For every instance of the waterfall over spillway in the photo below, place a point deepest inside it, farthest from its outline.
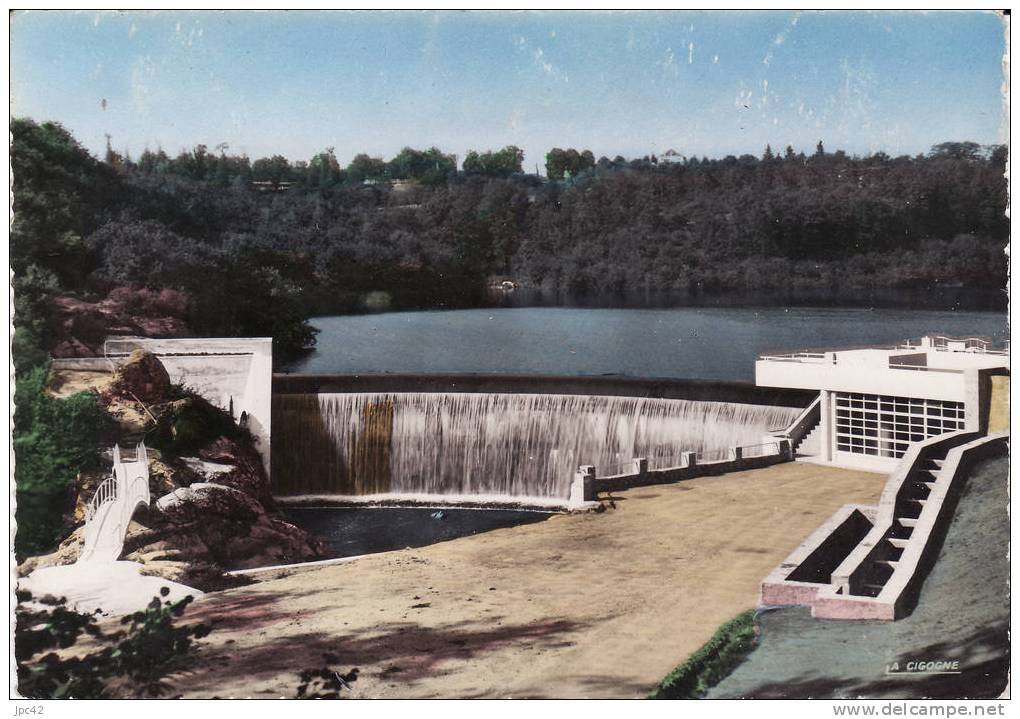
(524, 445)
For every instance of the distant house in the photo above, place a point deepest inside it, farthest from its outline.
(671, 156)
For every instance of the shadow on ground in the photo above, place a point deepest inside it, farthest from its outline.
(397, 652)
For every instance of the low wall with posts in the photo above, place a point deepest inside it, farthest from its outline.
(587, 484)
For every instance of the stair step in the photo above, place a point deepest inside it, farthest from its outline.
(918, 501)
(891, 562)
(906, 522)
(898, 543)
(873, 586)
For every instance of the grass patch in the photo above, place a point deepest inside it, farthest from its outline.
(733, 641)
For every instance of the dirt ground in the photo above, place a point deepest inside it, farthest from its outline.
(584, 605)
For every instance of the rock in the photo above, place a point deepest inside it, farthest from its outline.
(78, 328)
(164, 478)
(143, 376)
(72, 347)
(66, 553)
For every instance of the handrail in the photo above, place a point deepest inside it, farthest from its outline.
(939, 343)
(925, 368)
(802, 425)
(105, 492)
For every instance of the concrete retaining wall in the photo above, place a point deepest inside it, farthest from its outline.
(809, 567)
(586, 485)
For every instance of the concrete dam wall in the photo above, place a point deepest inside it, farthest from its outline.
(356, 436)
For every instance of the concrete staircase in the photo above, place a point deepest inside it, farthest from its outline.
(811, 444)
(803, 431)
(882, 563)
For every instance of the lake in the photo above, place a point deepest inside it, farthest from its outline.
(718, 343)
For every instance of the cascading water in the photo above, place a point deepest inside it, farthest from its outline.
(521, 445)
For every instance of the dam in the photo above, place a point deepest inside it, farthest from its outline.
(511, 438)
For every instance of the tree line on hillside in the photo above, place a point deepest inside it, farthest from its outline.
(322, 171)
(261, 263)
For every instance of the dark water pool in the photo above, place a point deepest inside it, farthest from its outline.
(350, 531)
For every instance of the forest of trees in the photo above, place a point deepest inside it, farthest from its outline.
(262, 245)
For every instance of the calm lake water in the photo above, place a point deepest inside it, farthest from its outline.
(686, 342)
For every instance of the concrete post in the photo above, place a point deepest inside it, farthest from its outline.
(640, 466)
(582, 489)
(577, 490)
(690, 459)
(825, 425)
(786, 449)
(972, 404)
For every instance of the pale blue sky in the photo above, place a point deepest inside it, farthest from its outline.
(705, 83)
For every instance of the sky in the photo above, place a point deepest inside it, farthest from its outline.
(618, 83)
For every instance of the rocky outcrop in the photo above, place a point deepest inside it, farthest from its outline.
(142, 377)
(193, 534)
(78, 328)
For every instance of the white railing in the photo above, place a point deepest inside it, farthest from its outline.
(809, 357)
(765, 449)
(106, 492)
(924, 368)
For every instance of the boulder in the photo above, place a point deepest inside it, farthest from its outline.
(143, 377)
(66, 553)
(78, 328)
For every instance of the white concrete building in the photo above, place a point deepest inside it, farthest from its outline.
(874, 402)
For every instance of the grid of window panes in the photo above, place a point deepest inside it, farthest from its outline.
(885, 426)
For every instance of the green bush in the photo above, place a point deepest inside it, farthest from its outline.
(147, 650)
(733, 641)
(54, 439)
(186, 425)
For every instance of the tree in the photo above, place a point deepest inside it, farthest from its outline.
(956, 150)
(768, 156)
(275, 170)
(54, 439)
(560, 164)
(324, 170)
(364, 168)
(503, 163)
(430, 166)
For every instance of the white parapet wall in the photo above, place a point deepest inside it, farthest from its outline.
(233, 373)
